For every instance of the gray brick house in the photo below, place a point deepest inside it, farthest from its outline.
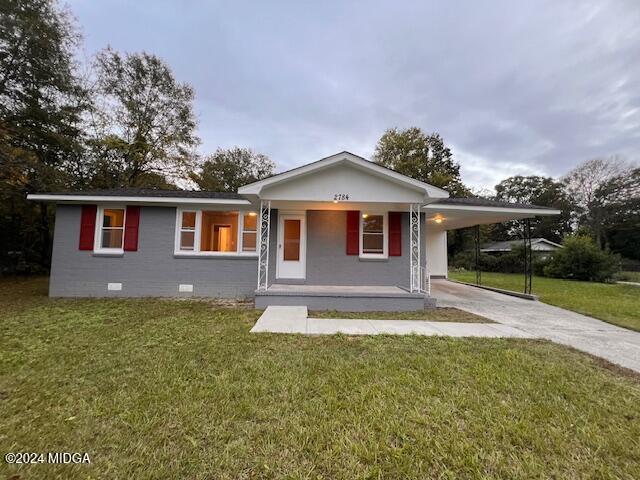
(340, 233)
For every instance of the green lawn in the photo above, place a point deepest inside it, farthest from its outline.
(181, 389)
(613, 303)
(439, 314)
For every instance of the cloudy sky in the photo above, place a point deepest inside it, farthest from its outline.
(529, 87)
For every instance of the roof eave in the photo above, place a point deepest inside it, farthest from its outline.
(479, 208)
(70, 198)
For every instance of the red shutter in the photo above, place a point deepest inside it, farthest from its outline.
(395, 234)
(87, 226)
(132, 220)
(353, 232)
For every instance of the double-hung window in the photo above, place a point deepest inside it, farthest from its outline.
(373, 235)
(213, 232)
(110, 231)
(188, 231)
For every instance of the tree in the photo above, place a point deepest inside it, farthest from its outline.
(143, 123)
(41, 103)
(535, 190)
(423, 157)
(227, 170)
(616, 209)
(583, 183)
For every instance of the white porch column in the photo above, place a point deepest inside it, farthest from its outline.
(263, 246)
(415, 283)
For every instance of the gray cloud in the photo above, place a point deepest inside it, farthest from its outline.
(514, 87)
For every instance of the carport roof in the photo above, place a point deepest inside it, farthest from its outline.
(453, 213)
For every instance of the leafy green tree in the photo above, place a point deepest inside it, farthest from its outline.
(423, 157)
(227, 170)
(143, 123)
(581, 259)
(41, 104)
(535, 190)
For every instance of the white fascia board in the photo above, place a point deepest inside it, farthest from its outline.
(477, 208)
(256, 187)
(147, 200)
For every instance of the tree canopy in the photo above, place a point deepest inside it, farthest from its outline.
(144, 121)
(423, 157)
(228, 170)
(541, 191)
(41, 103)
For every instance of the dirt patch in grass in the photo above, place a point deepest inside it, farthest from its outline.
(439, 314)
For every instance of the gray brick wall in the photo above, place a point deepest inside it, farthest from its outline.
(327, 261)
(151, 271)
(154, 270)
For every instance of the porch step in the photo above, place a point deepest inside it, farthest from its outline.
(343, 298)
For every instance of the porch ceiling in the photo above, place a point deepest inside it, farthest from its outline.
(452, 217)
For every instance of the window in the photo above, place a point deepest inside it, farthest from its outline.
(291, 240)
(373, 229)
(188, 231)
(249, 232)
(110, 232)
(219, 232)
(208, 232)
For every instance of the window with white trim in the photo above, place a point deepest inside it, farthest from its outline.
(215, 232)
(110, 229)
(188, 231)
(373, 235)
(249, 231)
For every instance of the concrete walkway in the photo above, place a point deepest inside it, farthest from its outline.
(277, 319)
(616, 344)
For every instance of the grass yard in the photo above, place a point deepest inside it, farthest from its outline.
(180, 389)
(445, 314)
(613, 303)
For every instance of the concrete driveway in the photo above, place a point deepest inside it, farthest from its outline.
(618, 345)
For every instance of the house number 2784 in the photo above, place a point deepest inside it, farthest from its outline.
(341, 196)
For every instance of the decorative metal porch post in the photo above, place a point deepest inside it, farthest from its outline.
(263, 252)
(476, 244)
(528, 256)
(415, 283)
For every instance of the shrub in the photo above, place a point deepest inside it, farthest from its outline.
(581, 259)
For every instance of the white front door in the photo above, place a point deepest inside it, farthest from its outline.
(292, 246)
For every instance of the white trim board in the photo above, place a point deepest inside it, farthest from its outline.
(47, 197)
(478, 208)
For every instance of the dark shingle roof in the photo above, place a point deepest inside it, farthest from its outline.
(484, 202)
(153, 192)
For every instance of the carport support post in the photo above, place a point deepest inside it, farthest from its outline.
(415, 279)
(476, 241)
(528, 257)
(263, 252)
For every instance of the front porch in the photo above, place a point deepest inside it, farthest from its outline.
(348, 298)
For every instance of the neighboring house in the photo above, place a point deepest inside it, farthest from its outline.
(541, 247)
(341, 233)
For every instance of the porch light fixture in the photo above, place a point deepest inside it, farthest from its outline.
(365, 215)
(252, 214)
(438, 219)
(335, 201)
